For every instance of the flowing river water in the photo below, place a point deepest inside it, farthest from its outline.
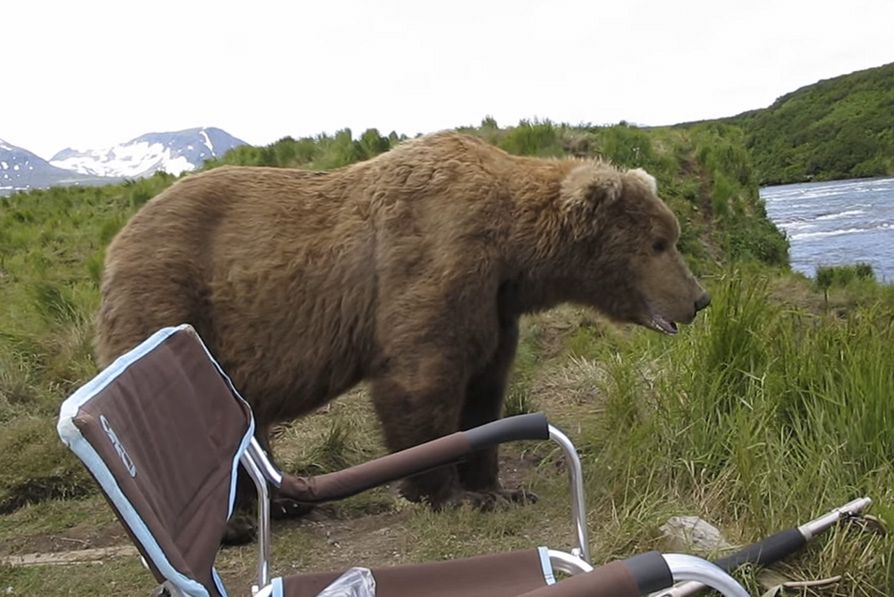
(836, 223)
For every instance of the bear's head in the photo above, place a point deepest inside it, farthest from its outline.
(622, 255)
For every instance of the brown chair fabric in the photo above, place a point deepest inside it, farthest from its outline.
(168, 427)
(353, 480)
(610, 580)
(500, 575)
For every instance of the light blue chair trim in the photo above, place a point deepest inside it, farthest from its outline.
(546, 566)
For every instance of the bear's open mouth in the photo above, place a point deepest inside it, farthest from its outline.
(663, 324)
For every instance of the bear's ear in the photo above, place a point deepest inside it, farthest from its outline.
(645, 178)
(589, 187)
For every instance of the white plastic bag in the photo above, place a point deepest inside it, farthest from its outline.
(356, 582)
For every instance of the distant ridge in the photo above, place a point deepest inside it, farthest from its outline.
(22, 170)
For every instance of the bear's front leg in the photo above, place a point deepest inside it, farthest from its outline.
(423, 396)
(417, 403)
(483, 404)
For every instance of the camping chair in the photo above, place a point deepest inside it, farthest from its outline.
(163, 432)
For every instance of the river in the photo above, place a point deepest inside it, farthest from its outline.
(836, 223)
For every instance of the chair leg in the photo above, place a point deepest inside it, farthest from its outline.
(263, 518)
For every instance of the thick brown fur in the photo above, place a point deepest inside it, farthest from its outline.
(409, 270)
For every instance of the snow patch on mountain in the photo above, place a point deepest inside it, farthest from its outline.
(174, 152)
(206, 141)
(131, 160)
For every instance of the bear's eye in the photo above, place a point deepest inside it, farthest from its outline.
(659, 246)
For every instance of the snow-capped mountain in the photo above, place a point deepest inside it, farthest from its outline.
(21, 170)
(174, 152)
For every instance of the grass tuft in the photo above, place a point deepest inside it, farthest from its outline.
(36, 466)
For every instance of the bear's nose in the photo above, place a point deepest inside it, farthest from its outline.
(702, 302)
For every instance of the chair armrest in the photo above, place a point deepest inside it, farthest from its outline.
(439, 452)
(643, 574)
(633, 577)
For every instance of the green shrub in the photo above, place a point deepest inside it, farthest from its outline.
(627, 146)
(533, 138)
(758, 240)
(842, 275)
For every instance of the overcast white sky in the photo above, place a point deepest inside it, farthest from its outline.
(88, 73)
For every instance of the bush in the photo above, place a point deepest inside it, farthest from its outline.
(842, 275)
(533, 138)
(758, 240)
(627, 146)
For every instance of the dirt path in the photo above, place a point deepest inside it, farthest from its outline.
(79, 556)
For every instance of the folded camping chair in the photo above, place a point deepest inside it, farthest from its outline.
(163, 431)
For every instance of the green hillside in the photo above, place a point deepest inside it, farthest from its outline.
(834, 129)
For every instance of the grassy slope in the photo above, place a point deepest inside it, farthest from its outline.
(765, 412)
(834, 129)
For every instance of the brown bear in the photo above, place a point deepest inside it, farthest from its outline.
(409, 270)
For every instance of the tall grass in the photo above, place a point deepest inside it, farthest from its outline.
(760, 416)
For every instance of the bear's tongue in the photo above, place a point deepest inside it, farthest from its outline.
(664, 325)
